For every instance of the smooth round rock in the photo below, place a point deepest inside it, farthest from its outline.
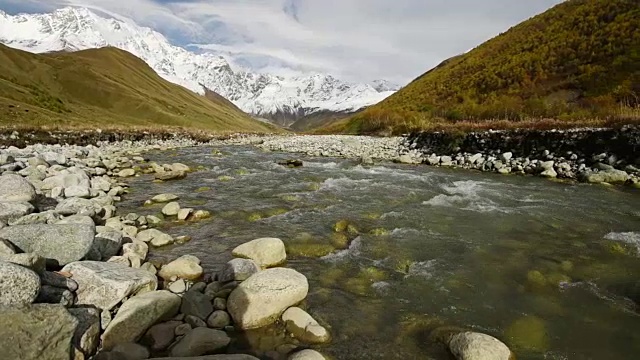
(307, 354)
(16, 188)
(171, 209)
(261, 299)
(184, 267)
(477, 346)
(266, 252)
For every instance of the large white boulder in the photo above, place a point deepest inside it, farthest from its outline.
(105, 284)
(16, 188)
(138, 314)
(63, 243)
(263, 297)
(185, 267)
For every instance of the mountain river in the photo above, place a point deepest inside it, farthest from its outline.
(552, 269)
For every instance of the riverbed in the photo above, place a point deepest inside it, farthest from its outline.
(550, 268)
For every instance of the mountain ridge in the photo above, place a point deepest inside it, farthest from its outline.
(264, 95)
(576, 63)
(105, 88)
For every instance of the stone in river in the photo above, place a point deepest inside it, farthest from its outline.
(262, 298)
(266, 252)
(478, 346)
(171, 209)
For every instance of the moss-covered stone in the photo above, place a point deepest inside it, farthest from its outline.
(312, 250)
(242, 171)
(616, 248)
(341, 225)
(379, 232)
(374, 274)
(340, 240)
(536, 280)
(290, 198)
(254, 216)
(225, 178)
(331, 276)
(203, 189)
(557, 278)
(275, 212)
(528, 333)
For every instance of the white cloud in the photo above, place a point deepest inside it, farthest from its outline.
(356, 39)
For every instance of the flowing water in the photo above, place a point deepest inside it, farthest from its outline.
(552, 269)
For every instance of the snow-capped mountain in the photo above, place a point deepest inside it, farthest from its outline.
(71, 29)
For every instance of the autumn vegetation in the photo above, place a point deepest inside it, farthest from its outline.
(577, 64)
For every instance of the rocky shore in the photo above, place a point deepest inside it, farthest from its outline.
(76, 283)
(609, 156)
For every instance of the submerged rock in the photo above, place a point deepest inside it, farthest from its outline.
(262, 298)
(304, 327)
(292, 163)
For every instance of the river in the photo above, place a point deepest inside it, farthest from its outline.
(550, 268)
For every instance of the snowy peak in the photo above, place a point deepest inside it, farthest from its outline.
(72, 29)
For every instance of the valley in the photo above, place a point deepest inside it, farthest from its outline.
(162, 198)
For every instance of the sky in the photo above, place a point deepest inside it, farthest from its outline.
(357, 40)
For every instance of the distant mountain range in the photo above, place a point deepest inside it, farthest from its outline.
(284, 99)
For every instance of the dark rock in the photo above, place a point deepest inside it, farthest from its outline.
(196, 304)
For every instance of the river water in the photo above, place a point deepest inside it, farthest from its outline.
(552, 269)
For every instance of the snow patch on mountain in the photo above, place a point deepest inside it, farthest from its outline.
(72, 29)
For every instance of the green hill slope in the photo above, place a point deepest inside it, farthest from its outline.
(577, 62)
(108, 89)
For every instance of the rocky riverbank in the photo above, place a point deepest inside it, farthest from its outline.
(75, 282)
(610, 156)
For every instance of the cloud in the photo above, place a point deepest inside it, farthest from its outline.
(359, 40)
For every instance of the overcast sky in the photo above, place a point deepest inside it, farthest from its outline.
(359, 40)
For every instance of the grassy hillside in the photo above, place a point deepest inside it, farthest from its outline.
(105, 88)
(577, 63)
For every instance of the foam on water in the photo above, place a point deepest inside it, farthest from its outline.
(322, 165)
(342, 183)
(381, 287)
(632, 238)
(467, 195)
(422, 269)
(381, 170)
